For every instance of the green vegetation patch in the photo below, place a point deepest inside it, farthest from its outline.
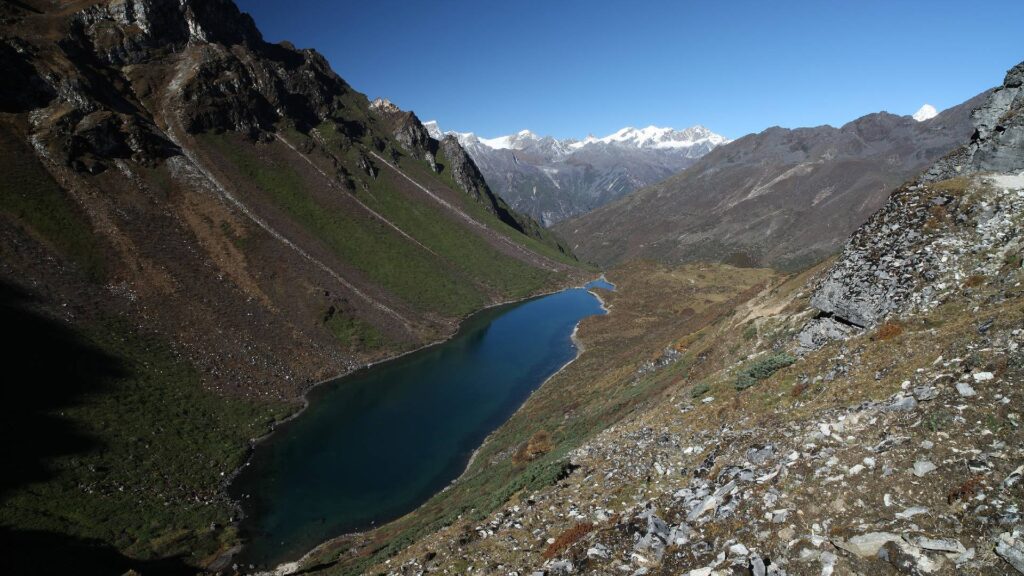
(353, 332)
(762, 368)
(143, 450)
(32, 197)
(388, 259)
(546, 243)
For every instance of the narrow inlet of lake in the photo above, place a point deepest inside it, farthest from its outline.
(380, 442)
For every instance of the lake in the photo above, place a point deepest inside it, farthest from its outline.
(376, 444)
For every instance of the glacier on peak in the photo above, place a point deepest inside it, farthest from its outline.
(651, 137)
(926, 112)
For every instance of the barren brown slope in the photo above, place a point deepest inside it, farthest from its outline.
(781, 198)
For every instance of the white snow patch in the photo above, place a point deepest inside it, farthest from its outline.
(926, 112)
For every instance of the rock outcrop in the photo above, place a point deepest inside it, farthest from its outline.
(930, 235)
(416, 139)
(997, 144)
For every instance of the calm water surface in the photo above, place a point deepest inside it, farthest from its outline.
(378, 443)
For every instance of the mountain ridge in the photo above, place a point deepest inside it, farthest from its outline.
(782, 197)
(552, 179)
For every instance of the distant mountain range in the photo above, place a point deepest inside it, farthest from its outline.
(782, 198)
(551, 179)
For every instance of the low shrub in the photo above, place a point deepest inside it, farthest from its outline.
(762, 368)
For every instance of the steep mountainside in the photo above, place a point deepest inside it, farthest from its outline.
(782, 198)
(214, 223)
(893, 448)
(552, 180)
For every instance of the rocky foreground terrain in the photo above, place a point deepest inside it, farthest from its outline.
(865, 418)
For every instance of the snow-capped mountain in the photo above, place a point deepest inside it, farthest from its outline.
(926, 112)
(657, 138)
(552, 179)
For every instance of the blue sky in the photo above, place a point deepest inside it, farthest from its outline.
(569, 68)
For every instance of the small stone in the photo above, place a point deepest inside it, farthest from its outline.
(925, 393)
(828, 563)
(965, 389)
(738, 550)
(903, 404)
(757, 566)
(1012, 550)
(866, 545)
(854, 470)
(911, 512)
(982, 376)
(940, 545)
(922, 467)
(927, 444)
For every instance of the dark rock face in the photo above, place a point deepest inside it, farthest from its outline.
(23, 88)
(136, 31)
(998, 141)
(412, 135)
(407, 130)
(466, 174)
(781, 198)
(221, 96)
(227, 77)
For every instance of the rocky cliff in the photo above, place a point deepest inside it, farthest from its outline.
(951, 224)
(408, 130)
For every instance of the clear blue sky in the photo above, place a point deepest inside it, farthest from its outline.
(568, 68)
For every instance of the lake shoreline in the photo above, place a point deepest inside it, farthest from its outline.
(580, 349)
(290, 566)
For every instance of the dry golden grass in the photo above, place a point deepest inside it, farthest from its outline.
(538, 444)
(974, 281)
(568, 538)
(889, 330)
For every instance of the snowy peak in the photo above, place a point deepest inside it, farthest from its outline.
(517, 141)
(657, 138)
(651, 137)
(926, 112)
(433, 129)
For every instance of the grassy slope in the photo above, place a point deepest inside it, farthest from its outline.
(547, 245)
(464, 275)
(150, 481)
(29, 195)
(385, 257)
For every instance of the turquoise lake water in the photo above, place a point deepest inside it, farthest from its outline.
(378, 443)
